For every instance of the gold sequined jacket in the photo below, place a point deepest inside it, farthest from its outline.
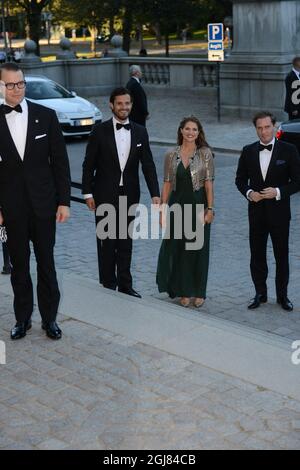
(201, 166)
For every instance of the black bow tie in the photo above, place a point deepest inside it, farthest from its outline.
(126, 126)
(265, 147)
(8, 109)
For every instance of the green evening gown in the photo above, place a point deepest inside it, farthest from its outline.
(181, 272)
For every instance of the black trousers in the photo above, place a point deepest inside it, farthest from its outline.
(259, 233)
(114, 256)
(41, 231)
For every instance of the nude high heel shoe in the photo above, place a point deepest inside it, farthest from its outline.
(199, 302)
(184, 301)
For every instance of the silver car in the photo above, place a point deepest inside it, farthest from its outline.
(76, 115)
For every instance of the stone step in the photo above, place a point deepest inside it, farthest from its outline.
(239, 351)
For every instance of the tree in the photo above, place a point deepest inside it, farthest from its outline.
(212, 11)
(91, 13)
(167, 18)
(33, 10)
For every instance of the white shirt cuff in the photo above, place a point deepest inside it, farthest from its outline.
(248, 192)
(87, 196)
(278, 197)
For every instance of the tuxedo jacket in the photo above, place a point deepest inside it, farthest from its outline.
(101, 168)
(43, 177)
(289, 106)
(139, 110)
(283, 173)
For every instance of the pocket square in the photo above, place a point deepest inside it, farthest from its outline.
(0, 159)
(40, 136)
(280, 162)
(138, 145)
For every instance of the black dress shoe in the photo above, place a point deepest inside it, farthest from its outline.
(258, 299)
(130, 291)
(20, 329)
(52, 330)
(285, 303)
(6, 270)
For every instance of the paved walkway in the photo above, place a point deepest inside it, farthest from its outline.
(166, 113)
(109, 385)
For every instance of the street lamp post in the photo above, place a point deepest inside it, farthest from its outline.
(3, 27)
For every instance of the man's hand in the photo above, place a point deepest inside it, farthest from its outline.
(156, 201)
(255, 196)
(268, 193)
(1, 219)
(62, 214)
(295, 113)
(90, 202)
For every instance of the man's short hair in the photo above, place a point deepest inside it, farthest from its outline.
(263, 115)
(119, 92)
(10, 67)
(296, 60)
(133, 69)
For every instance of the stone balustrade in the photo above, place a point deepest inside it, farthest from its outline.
(99, 76)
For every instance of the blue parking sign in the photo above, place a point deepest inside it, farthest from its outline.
(215, 32)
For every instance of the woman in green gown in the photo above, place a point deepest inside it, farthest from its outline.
(188, 180)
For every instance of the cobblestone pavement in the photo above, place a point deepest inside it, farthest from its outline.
(98, 390)
(229, 285)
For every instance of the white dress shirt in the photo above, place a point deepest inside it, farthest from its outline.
(123, 144)
(18, 124)
(264, 160)
(297, 73)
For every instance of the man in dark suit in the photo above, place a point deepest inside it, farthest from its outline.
(34, 194)
(292, 98)
(268, 174)
(139, 111)
(111, 170)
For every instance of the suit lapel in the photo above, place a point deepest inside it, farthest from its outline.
(112, 142)
(273, 160)
(257, 162)
(32, 121)
(133, 142)
(10, 140)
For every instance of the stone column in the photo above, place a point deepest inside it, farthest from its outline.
(266, 37)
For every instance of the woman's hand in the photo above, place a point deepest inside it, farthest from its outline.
(208, 216)
(162, 215)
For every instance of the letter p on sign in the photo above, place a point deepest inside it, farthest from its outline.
(215, 32)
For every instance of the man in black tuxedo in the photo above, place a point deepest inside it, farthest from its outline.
(34, 194)
(111, 170)
(139, 111)
(292, 95)
(268, 174)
